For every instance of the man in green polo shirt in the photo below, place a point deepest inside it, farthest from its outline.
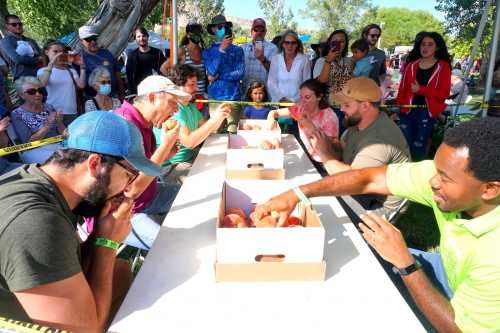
(462, 185)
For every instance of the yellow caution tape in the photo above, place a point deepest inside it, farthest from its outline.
(16, 326)
(30, 145)
(210, 101)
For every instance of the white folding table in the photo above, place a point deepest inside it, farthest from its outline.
(175, 290)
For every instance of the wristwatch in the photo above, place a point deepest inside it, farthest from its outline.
(408, 269)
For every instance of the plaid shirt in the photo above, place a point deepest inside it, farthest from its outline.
(254, 70)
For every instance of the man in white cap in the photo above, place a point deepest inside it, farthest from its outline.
(258, 54)
(95, 56)
(156, 101)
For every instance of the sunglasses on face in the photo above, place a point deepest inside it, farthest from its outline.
(34, 91)
(220, 26)
(132, 173)
(90, 39)
(374, 35)
(290, 42)
(104, 82)
(16, 24)
(259, 29)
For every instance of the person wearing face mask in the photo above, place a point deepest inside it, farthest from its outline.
(143, 61)
(100, 80)
(225, 68)
(47, 275)
(190, 53)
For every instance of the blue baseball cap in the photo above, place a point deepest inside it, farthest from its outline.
(107, 133)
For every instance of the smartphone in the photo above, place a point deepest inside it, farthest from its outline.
(228, 32)
(335, 45)
(258, 45)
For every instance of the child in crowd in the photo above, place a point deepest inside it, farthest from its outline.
(256, 93)
(363, 63)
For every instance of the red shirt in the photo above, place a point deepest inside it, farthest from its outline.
(130, 113)
(436, 92)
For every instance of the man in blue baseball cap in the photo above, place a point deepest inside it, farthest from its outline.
(46, 276)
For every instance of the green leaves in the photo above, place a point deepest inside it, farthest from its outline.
(278, 18)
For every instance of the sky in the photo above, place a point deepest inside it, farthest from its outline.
(249, 9)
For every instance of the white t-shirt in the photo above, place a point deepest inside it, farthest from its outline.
(318, 67)
(61, 90)
(282, 83)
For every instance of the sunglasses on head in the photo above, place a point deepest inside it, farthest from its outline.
(16, 24)
(374, 35)
(90, 39)
(34, 91)
(290, 42)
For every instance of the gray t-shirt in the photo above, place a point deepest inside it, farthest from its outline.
(38, 240)
(378, 64)
(379, 144)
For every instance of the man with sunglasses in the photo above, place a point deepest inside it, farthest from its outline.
(22, 53)
(258, 54)
(371, 33)
(46, 275)
(94, 56)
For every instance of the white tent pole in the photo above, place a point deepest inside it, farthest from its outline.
(175, 44)
(479, 33)
(493, 55)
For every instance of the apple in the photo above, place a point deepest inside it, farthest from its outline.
(265, 144)
(170, 124)
(238, 211)
(247, 127)
(267, 222)
(232, 221)
(293, 221)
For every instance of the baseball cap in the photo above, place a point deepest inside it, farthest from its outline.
(360, 89)
(87, 31)
(258, 22)
(158, 83)
(107, 133)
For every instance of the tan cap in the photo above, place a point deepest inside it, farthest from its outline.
(360, 89)
(158, 83)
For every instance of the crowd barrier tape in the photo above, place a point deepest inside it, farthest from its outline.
(30, 145)
(288, 104)
(16, 326)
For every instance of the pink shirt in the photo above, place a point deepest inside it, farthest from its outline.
(326, 122)
(130, 113)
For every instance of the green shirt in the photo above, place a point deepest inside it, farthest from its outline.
(188, 116)
(469, 249)
(38, 240)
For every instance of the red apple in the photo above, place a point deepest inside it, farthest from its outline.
(238, 211)
(232, 221)
(293, 220)
(170, 124)
(265, 144)
(247, 127)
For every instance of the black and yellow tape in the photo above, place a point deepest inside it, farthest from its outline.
(30, 145)
(16, 326)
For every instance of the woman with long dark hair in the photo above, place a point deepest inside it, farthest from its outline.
(425, 85)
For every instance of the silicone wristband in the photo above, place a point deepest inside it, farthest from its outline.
(298, 192)
(104, 242)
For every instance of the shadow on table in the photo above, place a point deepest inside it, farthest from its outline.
(195, 202)
(294, 165)
(339, 248)
(178, 265)
(208, 164)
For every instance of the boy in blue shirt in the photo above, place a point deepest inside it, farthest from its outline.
(363, 63)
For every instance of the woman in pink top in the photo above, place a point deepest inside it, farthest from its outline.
(312, 114)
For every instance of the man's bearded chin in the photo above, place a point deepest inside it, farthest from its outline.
(94, 201)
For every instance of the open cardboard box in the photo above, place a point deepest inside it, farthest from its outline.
(264, 126)
(267, 254)
(253, 163)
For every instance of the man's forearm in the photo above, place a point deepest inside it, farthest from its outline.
(334, 166)
(436, 308)
(362, 181)
(100, 278)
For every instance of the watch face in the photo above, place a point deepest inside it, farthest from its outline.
(408, 269)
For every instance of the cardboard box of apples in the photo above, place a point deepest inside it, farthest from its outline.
(258, 250)
(255, 155)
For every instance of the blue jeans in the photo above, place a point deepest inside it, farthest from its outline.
(144, 228)
(433, 268)
(417, 127)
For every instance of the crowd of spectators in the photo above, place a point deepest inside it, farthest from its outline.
(116, 129)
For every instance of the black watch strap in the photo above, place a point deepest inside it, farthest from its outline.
(408, 269)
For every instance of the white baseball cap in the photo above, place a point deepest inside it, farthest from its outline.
(87, 31)
(158, 83)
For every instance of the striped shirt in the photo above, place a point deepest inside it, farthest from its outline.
(201, 71)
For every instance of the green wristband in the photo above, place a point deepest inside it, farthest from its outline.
(104, 242)
(298, 192)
